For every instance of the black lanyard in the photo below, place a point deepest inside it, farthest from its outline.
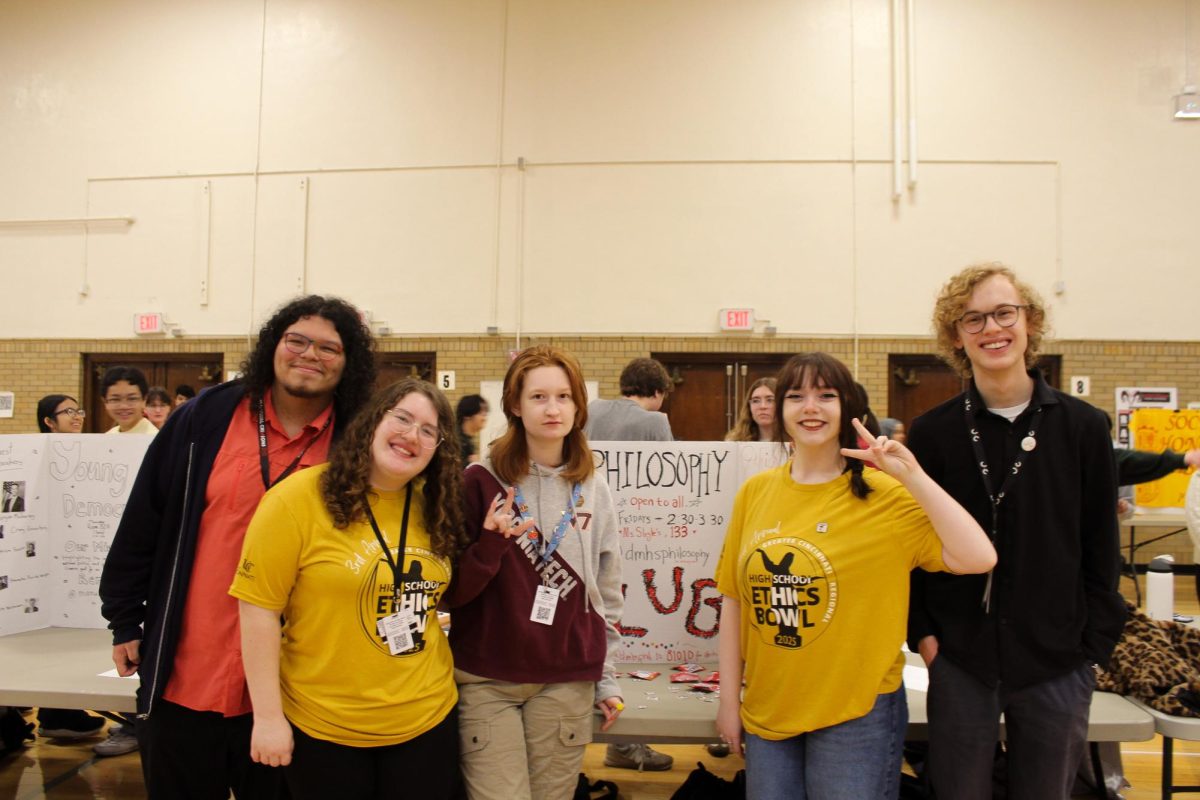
(1028, 445)
(387, 552)
(263, 463)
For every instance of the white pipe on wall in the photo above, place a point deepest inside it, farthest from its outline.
(910, 36)
(897, 86)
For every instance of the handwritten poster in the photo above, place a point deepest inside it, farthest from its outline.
(673, 501)
(1158, 429)
(73, 490)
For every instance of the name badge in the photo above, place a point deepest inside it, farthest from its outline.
(396, 629)
(544, 604)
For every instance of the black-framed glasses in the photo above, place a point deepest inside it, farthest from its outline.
(298, 343)
(73, 413)
(1006, 315)
(403, 423)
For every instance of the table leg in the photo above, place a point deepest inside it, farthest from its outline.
(1168, 763)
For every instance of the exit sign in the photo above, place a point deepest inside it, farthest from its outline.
(737, 319)
(148, 323)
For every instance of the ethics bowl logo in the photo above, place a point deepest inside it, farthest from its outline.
(793, 591)
(423, 579)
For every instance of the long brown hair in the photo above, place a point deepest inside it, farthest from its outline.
(510, 453)
(746, 429)
(346, 485)
(823, 370)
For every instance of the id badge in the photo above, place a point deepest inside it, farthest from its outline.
(544, 604)
(396, 629)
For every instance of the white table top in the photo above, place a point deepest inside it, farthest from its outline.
(1156, 518)
(60, 668)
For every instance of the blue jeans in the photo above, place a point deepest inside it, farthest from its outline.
(854, 760)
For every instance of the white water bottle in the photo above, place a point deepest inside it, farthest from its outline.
(1160, 588)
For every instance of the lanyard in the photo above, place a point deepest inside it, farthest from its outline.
(1028, 444)
(547, 548)
(387, 552)
(262, 448)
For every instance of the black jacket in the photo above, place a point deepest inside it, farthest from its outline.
(147, 572)
(1055, 603)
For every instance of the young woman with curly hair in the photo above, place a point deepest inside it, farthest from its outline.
(537, 595)
(354, 692)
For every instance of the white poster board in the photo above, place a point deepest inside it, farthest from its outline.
(1127, 399)
(673, 501)
(74, 488)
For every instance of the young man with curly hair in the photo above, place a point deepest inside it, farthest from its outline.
(1035, 468)
(165, 581)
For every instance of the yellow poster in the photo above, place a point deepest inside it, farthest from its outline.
(1158, 429)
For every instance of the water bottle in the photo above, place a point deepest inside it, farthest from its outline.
(1160, 588)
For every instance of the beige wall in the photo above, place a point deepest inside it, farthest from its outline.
(34, 368)
(680, 156)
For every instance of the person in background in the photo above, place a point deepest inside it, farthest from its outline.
(124, 391)
(756, 420)
(158, 405)
(537, 596)
(354, 692)
(183, 393)
(814, 579)
(1035, 467)
(893, 429)
(472, 415)
(165, 585)
(635, 416)
(60, 413)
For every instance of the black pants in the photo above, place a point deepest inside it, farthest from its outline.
(1046, 725)
(201, 755)
(425, 767)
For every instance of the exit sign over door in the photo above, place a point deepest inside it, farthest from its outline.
(737, 319)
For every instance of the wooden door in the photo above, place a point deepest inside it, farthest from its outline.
(199, 370)
(391, 367)
(917, 383)
(710, 388)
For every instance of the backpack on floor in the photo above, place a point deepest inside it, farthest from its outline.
(14, 730)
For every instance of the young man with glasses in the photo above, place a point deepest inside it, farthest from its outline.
(124, 392)
(1035, 468)
(165, 583)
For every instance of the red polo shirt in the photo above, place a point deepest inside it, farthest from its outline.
(208, 673)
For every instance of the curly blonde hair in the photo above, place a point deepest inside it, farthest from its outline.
(952, 303)
(346, 485)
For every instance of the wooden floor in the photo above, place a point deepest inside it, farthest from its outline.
(72, 772)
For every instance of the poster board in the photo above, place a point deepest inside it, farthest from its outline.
(1158, 429)
(1127, 399)
(673, 501)
(73, 489)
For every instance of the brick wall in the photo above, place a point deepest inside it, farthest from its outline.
(32, 368)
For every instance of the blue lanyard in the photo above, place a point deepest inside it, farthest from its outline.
(547, 548)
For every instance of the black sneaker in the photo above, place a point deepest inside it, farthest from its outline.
(68, 724)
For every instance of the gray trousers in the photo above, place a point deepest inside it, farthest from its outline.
(1046, 733)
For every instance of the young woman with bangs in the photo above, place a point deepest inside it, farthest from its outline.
(354, 695)
(756, 421)
(814, 583)
(537, 595)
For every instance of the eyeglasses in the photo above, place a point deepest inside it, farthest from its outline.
(73, 413)
(127, 400)
(298, 343)
(403, 423)
(157, 406)
(1006, 316)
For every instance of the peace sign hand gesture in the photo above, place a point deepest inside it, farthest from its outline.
(500, 517)
(889, 455)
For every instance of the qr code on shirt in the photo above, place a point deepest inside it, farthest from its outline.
(542, 614)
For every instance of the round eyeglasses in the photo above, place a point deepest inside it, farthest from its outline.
(403, 424)
(298, 343)
(1006, 315)
(73, 413)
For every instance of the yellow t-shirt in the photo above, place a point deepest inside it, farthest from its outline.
(338, 680)
(822, 578)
